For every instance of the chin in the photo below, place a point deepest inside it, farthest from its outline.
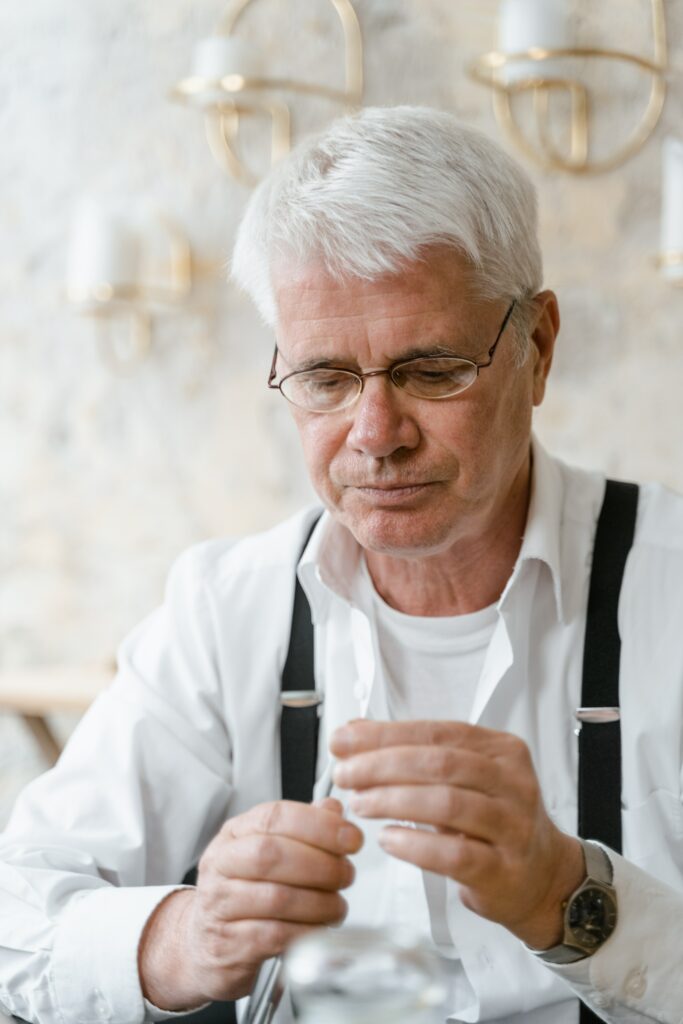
(401, 534)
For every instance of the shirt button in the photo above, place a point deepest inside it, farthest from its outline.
(360, 689)
(636, 983)
(102, 1007)
(485, 959)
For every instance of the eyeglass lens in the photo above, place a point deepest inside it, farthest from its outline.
(325, 390)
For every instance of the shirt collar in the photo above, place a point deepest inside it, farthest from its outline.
(329, 564)
(541, 541)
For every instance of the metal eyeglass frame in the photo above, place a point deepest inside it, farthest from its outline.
(390, 371)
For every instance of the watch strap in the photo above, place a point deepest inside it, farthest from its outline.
(598, 865)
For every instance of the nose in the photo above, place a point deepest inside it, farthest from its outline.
(381, 420)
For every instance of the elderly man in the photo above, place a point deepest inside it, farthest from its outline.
(448, 580)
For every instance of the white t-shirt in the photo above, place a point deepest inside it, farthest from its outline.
(432, 663)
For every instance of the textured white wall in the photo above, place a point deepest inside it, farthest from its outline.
(104, 477)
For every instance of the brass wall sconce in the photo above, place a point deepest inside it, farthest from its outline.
(670, 258)
(125, 274)
(537, 57)
(229, 82)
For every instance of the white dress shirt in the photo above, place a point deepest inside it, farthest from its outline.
(187, 735)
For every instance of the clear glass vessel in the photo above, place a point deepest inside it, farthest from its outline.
(365, 976)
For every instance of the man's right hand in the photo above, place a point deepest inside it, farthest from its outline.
(269, 875)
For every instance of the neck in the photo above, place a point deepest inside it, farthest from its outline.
(468, 576)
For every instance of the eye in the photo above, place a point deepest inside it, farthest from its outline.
(323, 381)
(435, 377)
(321, 390)
(429, 374)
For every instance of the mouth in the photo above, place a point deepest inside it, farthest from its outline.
(392, 493)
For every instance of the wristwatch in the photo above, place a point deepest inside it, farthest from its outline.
(590, 913)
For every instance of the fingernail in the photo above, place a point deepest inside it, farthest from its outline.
(386, 839)
(330, 803)
(341, 775)
(359, 803)
(347, 837)
(342, 740)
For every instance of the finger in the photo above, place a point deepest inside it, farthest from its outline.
(330, 803)
(240, 900)
(461, 810)
(320, 827)
(249, 941)
(436, 764)
(466, 860)
(364, 734)
(270, 858)
(271, 901)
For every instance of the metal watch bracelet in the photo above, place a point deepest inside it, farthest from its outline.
(598, 885)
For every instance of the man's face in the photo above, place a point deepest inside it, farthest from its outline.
(408, 476)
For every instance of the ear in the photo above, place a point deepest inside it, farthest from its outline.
(543, 337)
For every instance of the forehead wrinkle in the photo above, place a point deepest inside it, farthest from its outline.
(336, 352)
(409, 329)
(301, 296)
(368, 316)
(415, 352)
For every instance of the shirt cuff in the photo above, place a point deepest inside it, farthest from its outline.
(638, 969)
(153, 1013)
(95, 957)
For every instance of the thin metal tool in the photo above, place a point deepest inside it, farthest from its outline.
(266, 994)
(268, 988)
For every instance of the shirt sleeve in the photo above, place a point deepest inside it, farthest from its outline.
(637, 975)
(96, 843)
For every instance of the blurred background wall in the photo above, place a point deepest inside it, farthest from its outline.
(105, 476)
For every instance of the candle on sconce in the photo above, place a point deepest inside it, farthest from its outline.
(218, 57)
(672, 209)
(103, 256)
(533, 24)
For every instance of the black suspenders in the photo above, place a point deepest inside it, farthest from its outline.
(599, 795)
(299, 725)
(600, 743)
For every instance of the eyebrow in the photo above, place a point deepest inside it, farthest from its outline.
(412, 353)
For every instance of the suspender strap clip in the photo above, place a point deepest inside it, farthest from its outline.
(597, 716)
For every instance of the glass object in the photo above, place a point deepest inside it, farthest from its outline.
(365, 976)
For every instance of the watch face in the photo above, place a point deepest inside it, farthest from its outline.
(592, 916)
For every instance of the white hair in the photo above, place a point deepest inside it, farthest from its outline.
(379, 187)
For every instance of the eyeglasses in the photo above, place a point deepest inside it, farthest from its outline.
(331, 389)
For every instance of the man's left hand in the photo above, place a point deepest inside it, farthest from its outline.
(478, 791)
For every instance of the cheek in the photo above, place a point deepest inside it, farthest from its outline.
(467, 429)
(488, 432)
(509, 424)
(320, 442)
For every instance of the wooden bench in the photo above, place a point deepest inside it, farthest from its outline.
(36, 693)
